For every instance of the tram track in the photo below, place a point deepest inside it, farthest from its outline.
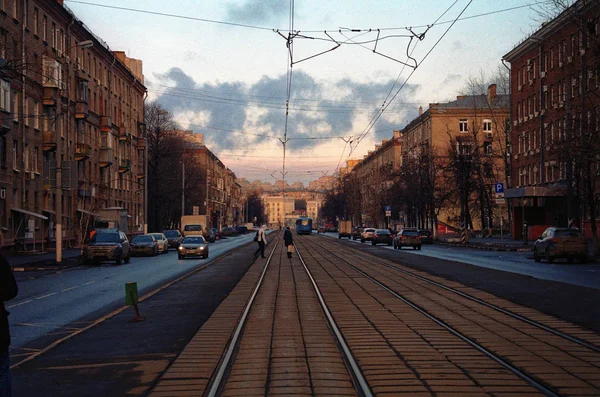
(216, 385)
(541, 385)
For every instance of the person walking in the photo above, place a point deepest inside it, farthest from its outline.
(261, 239)
(288, 240)
(8, 290)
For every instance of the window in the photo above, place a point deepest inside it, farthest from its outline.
(45, 28)
(463, 125)
(487, 148)
(26, 157)
(53, 35)
(26, 114)
(487, 126)
(5, 96)
(552, 58)
(2, 151)
(36, 154)
(519, 77)
(36, 17)
(36, 115)
(15, 106)
(15, 151)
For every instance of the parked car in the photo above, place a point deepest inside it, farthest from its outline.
(241, 229)
(321, 229)
(407, 238)
(367, 235)
(357, 232)
(229, 232)
(193, 246)
(163, 242)
(561, 242)
(108, 245)
(210, 235)
(174, 237)
(382, 236)
(426, 237)
(217, 233)
(144, 244)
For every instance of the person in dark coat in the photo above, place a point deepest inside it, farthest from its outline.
(8, 290)
(288, 239)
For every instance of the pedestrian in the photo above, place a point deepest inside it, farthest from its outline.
(288, 241)
(261, 239)
(8, 290)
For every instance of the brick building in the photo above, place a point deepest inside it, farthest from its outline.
(72, 137)
(555, 86)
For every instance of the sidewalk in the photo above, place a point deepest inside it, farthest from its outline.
(27, 262)
(490, 244)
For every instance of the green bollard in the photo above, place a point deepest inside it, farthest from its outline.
(131, 299)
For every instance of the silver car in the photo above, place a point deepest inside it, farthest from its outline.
(367, 235)
(193, 246)
(163, 242)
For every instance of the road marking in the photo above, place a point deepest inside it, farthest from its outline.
(18, 304)
(68, 289)
(88, 283)
(45, 296)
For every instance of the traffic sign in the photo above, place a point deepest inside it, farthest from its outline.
(499, 187)
(388, 210)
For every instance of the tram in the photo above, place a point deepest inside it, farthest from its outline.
(304, 225)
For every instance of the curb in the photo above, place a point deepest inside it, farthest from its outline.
(48, 265)
(503, 248)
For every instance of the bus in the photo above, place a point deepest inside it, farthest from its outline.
(304, 225)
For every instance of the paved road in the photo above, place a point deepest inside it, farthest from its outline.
(514, 262)
(49, 301)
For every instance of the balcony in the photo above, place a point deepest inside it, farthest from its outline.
(124, 135)
(50, 97)
(124, 165)
(49, 141)
(105, 124)
(81, 110)
(83, 151)
(81, 75)
(107, 156)
(141, 144)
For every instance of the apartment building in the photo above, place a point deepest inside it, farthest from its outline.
(278, 209)
(457, 149)
(369, 181)
(555, 86)
(217, 193)
(72, 136)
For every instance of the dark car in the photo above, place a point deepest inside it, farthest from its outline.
(241, 229)
(210, 236)
(144, 244)
(407, 238)
(357, 232)
(426, 237)
(174, 237)
(107, 245)
(381, 236)
(561, 242)
(229, 232)
(193, 246)
(217, 233)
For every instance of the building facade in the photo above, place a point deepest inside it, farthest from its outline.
(369, 181)
(452, 154)
(72, 137)
(555, 83)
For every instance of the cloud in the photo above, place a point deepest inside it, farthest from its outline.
(255, 11)
(239, 118)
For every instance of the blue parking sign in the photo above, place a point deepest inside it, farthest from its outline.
(499, 187)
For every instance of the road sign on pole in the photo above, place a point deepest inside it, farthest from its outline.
(388, 210)
(499, 187)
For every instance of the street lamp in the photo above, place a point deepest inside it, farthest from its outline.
(58, 190)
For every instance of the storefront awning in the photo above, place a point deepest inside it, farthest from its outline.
(86, 212)
(535, 191)
(22, 211)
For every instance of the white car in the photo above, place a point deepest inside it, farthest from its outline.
(163, 242)
(367, 235)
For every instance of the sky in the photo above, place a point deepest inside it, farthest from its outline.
(361, 69)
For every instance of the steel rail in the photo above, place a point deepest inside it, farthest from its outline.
(217, 381)
(359, 379)
(539, 385)
(495, 307)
